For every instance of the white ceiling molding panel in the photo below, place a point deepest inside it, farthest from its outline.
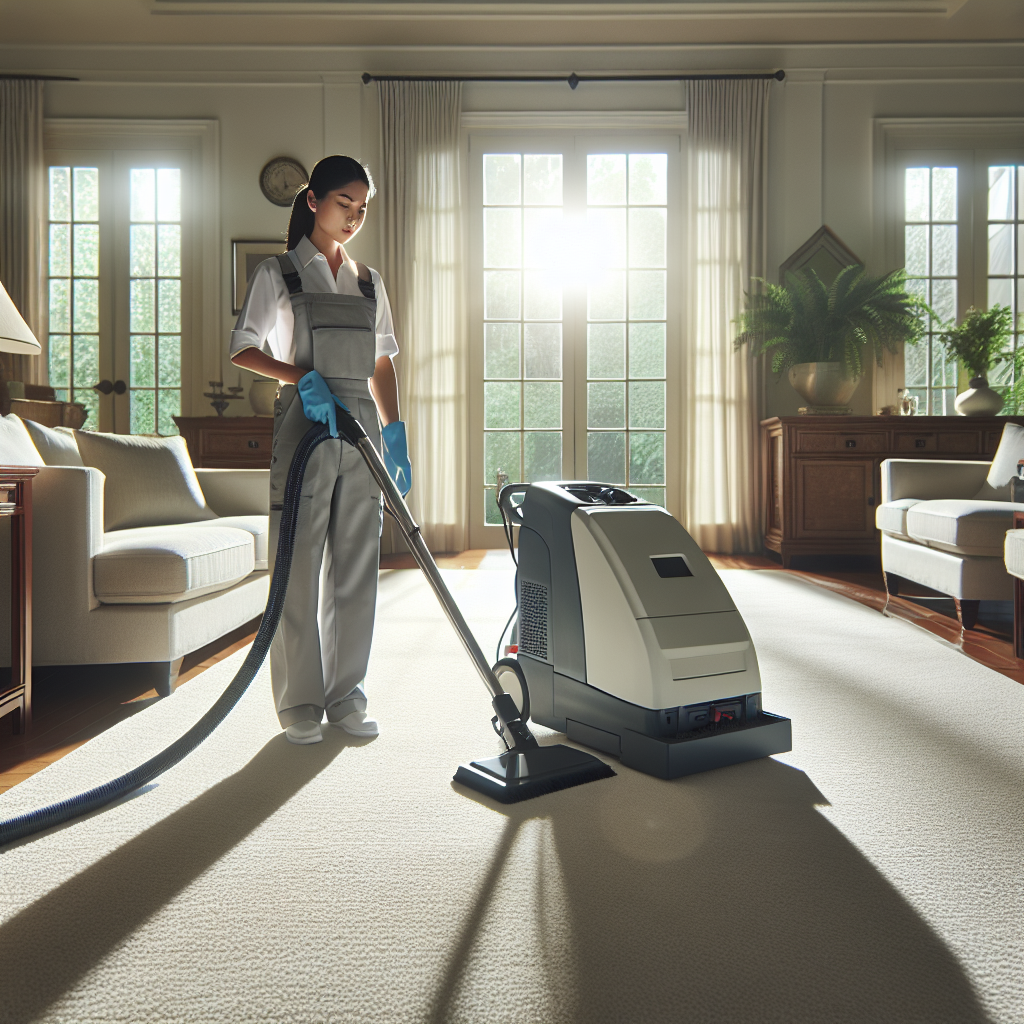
(607, 9)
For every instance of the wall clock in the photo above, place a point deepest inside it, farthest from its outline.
(281, 178)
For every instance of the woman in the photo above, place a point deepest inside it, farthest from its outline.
(321, 324)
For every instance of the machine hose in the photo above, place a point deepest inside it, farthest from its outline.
(64, 810)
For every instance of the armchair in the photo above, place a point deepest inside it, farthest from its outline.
(937, 532)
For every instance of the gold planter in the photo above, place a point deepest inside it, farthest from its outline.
(823, 385)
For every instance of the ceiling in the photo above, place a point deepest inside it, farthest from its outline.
(475, 23)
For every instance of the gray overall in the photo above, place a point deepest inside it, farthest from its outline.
(319, 654)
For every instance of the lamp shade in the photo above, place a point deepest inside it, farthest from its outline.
(15, 334)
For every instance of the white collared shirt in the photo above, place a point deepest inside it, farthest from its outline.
(267, 321)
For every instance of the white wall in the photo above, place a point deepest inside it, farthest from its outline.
(820, 143)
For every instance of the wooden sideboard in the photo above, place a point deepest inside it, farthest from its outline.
(821, 480)
(228, 442)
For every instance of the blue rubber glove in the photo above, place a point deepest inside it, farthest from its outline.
(318, 402)
(396, 456)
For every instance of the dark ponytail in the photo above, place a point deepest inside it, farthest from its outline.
(333, 172)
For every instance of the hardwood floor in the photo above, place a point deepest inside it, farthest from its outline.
(72, 705)
(990, 642)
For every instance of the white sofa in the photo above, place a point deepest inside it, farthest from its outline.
(944, 525)
(151, 593)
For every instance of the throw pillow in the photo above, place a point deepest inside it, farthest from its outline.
(16, 447)
(1004, 465)
(56, 445)
(150, 480)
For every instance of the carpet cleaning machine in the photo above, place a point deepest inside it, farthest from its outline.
(628, 642)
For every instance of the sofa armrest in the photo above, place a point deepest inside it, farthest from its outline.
(236, 492)
(926, 479)
(67, 531)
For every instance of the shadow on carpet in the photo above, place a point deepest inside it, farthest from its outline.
(722, 897)
(48, 947)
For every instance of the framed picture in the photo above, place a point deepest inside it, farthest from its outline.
(246, 256)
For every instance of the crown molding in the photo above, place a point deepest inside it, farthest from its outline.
(383, 10)
(527, 49)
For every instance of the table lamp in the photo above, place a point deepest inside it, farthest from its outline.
(15, 334)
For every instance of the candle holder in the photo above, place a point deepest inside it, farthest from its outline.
(220, 397)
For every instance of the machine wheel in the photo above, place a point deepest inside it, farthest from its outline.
(513, 681)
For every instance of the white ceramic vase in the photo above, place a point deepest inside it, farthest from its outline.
(978, 400)
(822, 384)
(262, 393)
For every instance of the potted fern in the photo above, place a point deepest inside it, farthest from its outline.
(979, 342)
(822, 334)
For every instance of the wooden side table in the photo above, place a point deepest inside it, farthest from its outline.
(16, 503)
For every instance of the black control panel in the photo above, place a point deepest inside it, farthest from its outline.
(600, 494)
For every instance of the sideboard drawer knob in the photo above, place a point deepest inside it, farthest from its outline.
(254, 444)
(919, 442)
(851, 442)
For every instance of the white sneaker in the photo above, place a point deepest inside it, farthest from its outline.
(357, 724)
(304, 732)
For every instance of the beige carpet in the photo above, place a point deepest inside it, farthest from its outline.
(873, 874)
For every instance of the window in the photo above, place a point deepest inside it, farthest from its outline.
(930, 234)
(1005, 240)
(154, 320)
(74, 286)
(627, 207)
(574, 315)
(133, 227)
(522, 329)
(959, 239)
(140, 286)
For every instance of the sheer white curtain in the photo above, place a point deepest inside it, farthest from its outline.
(23, 216)
(422, 264)
(727, 127)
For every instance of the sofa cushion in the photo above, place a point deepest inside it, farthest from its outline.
(1013, 552)
(964, 526)
(150, 480)
(164, 564)
(16, 447)
(968, 577)
(56, 445)
(258, 526)
(891, 517)
(1004, 465)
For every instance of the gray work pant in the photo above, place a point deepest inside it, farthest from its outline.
(319, 654)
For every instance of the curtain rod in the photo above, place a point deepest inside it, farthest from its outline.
(37, 78)
(572, 80)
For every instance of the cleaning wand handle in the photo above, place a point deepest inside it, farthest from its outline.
(504, 706)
